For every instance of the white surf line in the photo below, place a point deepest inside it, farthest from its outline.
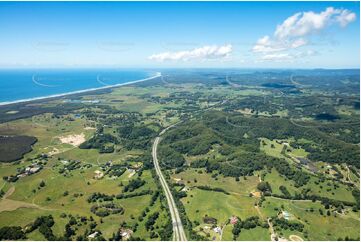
(101, 82)
(158, 74)
(41, 84)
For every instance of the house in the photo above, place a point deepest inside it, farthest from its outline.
(233, 220)
(217, 230)
(131, 172)
(206, 227)
(286, 215)
(177, 180)
(98, 174)
(32, 169)
(184, 189)
(93, 235)
(125, 233)
(286, 144)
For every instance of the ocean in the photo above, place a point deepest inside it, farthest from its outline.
(23, 85)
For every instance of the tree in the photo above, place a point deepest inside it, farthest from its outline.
(321, 211)
(12, 233)
(236, 229)
(264, 187)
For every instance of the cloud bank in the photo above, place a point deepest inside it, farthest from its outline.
(302, 24)
(291, 40)
(294, 32)
(202, 53)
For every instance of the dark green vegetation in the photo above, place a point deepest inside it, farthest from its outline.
(14, 147)
(228, 141)
(103, 142)
(12, 233)
(251, 151)
(247, 224)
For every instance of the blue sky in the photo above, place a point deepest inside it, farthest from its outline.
(180, 34)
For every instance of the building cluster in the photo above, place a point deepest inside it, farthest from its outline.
(27, 171)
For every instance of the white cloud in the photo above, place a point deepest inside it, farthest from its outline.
(305, 23)
(287, 57)
(345, 17)
(202, 53)
(294, 32)
(298, 43)
(264, 45)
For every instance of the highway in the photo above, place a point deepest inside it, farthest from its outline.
(178, 231)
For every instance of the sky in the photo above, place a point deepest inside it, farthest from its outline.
(180, 34)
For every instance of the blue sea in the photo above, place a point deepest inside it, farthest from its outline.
(20, 85)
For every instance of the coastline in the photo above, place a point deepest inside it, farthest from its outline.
(158, 74)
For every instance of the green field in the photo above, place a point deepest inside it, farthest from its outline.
(333, 227)
(241, 188)
(218, 205)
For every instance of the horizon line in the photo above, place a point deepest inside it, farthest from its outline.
(165, 68)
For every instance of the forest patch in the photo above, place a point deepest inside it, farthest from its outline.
(13, 148)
